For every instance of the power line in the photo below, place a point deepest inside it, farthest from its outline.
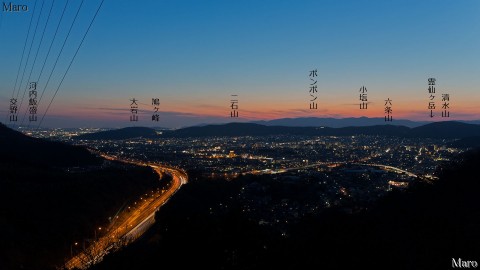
(50, 48)
(26, 62)
(60, 53)
(29, 51)
(36, 55)
(1, 20)
(71, 62)
(23, 53)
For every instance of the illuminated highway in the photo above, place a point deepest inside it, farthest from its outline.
(135, 223)
(385, 167)
(390, 168)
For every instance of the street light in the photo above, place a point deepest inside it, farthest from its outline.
(95, 232)
(71, 248)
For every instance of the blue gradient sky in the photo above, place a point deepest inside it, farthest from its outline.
(194, 54)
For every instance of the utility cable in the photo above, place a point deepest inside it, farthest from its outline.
(71, 62)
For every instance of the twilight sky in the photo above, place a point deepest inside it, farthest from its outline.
(193, 55)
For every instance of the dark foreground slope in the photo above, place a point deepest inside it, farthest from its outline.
(205, 226)
(17, 147)
(53, 194)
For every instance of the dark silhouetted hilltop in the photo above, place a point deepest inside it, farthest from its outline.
(473, 141)
(237, 129)
(21, 148)
(46, 205)
(250, 129)
(448, 129)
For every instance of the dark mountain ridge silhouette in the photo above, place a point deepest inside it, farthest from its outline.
(46, 204)
(448, 130)
(467, 142)
(336, 122)
(250, 129)
(22, 148)
(441, 130)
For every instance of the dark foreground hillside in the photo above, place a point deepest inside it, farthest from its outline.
(54, 194)
(205, 226)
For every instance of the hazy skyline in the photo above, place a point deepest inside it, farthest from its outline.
(193, 55)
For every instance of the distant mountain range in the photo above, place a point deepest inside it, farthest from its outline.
(250, 129)
(344, 122)
(336, 122)
(433, 130)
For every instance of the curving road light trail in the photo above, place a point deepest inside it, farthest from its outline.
(136, 223)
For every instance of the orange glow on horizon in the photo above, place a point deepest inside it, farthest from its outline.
(250, 113)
